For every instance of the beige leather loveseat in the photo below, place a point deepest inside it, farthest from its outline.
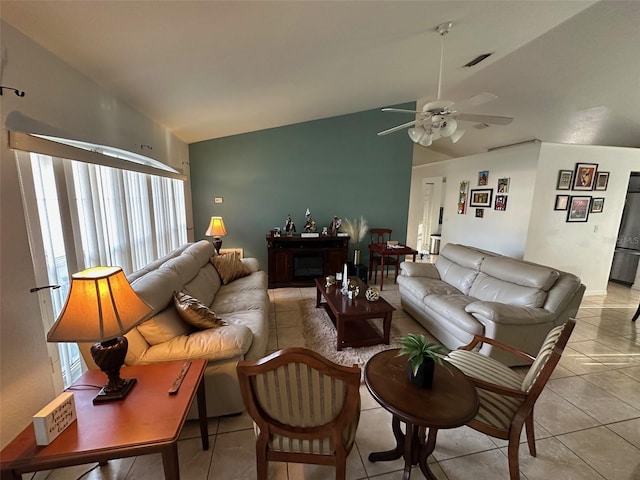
(243, 304)
(470, 291)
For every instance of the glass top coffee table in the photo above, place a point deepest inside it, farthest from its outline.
(351, 317)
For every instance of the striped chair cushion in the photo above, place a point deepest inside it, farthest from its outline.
(495, 409)
(300, 396)
(541, 359)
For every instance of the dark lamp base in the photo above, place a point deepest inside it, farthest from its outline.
(106, 396)
(217, 243)
(109, 356)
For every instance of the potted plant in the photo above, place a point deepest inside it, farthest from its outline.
(422, 358)
(356, 229)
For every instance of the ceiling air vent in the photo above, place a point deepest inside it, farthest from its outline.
(478, 59)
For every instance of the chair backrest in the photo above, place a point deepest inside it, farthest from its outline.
(297, 393)
(380, 235)
(547, 358)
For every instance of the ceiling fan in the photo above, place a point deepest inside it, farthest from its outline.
(439, 118)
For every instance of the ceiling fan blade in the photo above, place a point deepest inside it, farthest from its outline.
(473, 101)
(490, 119)
(399, 127)
(399, 110)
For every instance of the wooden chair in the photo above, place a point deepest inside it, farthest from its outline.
(381, 236)
(305, 408)
(506, 400)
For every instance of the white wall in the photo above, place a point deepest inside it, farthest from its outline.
(61, 102)
(585, 248)
(499, 231)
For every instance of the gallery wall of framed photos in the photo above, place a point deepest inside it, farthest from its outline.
(585, 177)
(483, 197)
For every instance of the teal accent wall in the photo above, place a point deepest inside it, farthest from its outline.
(334, 166)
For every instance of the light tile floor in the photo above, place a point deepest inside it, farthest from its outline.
(587, 418)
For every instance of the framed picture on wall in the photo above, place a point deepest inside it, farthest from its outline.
(479, 212)
(602, 180)
(483, 178)
(585, 176)
(578, 209)
(597, 205)
(503, 185)
(481, 197)
(564, 180)
(501, 202)
(562, 202)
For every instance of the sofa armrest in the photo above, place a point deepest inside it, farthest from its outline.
(211, 344)
(252, 264)
(413, 269)
(509, 314)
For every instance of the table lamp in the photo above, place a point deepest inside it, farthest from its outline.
(101, 307)
(216, 230)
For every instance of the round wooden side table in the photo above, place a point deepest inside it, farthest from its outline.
(451, 402)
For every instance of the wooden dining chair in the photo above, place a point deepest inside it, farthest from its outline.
(305, 408)
(381, 236)
(506, 399)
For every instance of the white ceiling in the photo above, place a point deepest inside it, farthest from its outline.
(567, 70)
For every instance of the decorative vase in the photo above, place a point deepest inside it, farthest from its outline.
(424, 377)
(372, 294)
(356, 257)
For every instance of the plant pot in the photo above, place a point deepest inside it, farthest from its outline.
(424, 377)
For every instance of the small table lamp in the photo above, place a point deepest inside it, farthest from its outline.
(216, 230)
(101, 307)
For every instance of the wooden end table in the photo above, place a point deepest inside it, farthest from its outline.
(350, 316)
(451, 402)
(148, 420)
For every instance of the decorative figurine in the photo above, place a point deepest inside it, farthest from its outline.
(336, 223)
(289, 226)
(310, 226)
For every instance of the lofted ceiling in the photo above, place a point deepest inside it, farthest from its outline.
(567, 71)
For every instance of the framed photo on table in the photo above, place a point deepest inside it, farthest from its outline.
(481, 197)
(584, 177)
(579, 208)
(564, 180)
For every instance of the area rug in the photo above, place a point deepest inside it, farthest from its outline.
(320, 336)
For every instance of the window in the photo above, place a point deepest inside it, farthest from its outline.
(83, 214)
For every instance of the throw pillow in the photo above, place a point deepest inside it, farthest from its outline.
(195, 313)
(229, 267)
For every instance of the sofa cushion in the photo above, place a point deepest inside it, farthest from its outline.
(163, 327)
(235, 301)
(230, 267)
(230, 341)
(520, 273)
(205, 285)
(195, 313)
(452, 307)
(157, 287)
(420, 287)
(458, 266)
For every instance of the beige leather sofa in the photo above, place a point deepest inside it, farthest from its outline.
(242, 303)
(470, 291)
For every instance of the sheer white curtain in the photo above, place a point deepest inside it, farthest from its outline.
(89, 215)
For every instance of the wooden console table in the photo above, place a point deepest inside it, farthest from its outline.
(148, 420)
(297, 261)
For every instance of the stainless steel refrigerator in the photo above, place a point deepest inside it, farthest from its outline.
(627, 252)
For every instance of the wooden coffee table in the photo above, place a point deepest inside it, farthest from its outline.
(351, 316)
(148, 420)
(451, 402)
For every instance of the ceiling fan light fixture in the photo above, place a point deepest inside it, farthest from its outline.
(457, 135)
(448, 127)
(416, 134)
(426, 140)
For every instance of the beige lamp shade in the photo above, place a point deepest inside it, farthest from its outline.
(101, 305)
(216, 228)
